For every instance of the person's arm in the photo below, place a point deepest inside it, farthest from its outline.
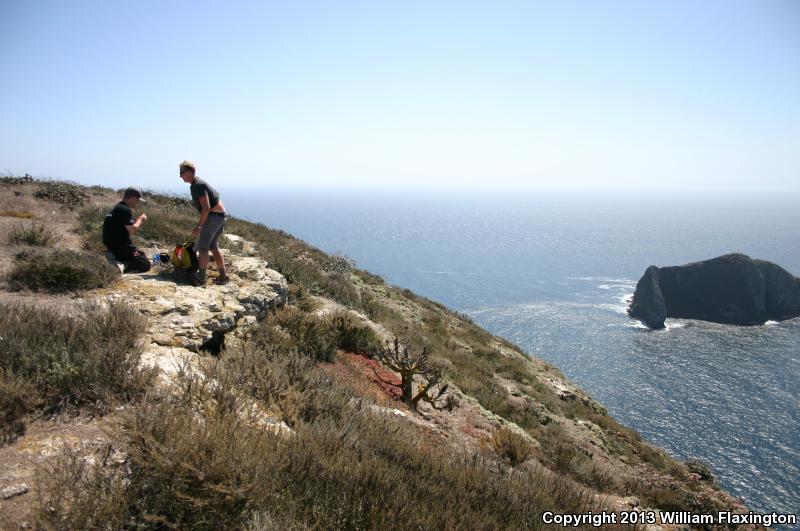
(133, 228)
(205, 208)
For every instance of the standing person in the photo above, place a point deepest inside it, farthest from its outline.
(118, 227)
(212, 222)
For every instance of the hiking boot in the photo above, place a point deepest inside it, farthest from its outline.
(222, 280)
(197, 282)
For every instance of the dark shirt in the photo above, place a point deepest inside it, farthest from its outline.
(115, 235)
(199, 188)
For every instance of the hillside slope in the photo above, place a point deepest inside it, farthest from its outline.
(271, 408)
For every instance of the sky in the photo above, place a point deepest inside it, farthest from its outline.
(683, 95)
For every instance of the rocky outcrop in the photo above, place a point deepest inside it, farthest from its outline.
(732, 289)
(648, 302)
(185, 320)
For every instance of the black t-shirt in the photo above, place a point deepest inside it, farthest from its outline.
(199, 188)
(115, 235)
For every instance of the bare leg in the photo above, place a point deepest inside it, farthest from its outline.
(219, 260)
(202, 256)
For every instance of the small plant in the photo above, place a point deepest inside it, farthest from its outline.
(409, 366)
(354, 336)
(340, 288)
(339, 263)
(300, 297)
(32, 234)
(61, 270)
(315, 336)
(511, 446)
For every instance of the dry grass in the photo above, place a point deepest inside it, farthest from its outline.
(511, 446)
(23, 214)
(32, 234)
(18, 397)
(195, 461)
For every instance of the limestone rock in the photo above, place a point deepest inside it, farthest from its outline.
(237, 244)
(185, 319)
(13, 490)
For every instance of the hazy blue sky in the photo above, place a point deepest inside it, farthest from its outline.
(687, 94)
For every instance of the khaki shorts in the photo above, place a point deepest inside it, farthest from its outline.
(210, 233)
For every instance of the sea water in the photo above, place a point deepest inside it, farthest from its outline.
(554, 271)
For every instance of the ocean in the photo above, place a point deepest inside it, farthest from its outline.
(553, 271)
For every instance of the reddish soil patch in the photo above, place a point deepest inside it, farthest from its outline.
(356, 371)
(369, 367)
(476, 433)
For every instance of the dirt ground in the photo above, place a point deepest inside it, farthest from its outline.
(44, 440)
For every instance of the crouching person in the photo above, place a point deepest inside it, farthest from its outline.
(118, 227)
(210, 226)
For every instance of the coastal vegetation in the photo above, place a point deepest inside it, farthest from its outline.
(52, 362)
(351, 455)
(31, 234)
(60, 270)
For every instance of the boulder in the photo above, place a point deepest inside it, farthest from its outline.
(731, 289)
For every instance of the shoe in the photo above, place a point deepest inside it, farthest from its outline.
(196, 282)
(221, 281)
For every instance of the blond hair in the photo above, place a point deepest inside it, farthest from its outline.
(187, 165)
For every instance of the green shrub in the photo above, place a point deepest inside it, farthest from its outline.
(319, 336)
(666, 498)
(340, 288)
(61, 270)
(354, 335)
(315, 336)
(33, 234)
(90, 357)
(378, 311)
(299, 296)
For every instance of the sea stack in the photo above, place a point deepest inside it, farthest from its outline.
(731, 289)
